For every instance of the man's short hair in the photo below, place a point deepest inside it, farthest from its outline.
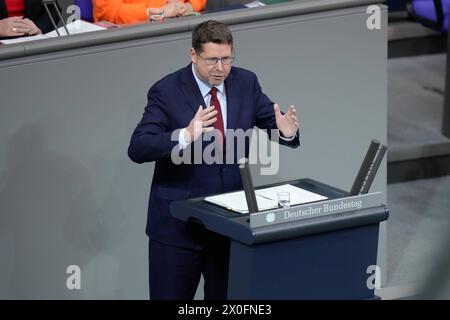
(211, 31)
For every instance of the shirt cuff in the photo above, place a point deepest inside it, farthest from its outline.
(182, 142)
(286, 139)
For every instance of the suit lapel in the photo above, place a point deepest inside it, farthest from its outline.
(194, 97)
(232, 92)
(190, 89)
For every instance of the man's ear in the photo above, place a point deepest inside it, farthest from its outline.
(193, 55)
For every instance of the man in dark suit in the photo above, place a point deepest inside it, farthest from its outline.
(25, 18)
(175, 120)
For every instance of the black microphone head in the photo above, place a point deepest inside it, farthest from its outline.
(368, 169)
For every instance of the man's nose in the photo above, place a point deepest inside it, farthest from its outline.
(219, 65)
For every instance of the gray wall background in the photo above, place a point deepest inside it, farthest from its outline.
(68, 192)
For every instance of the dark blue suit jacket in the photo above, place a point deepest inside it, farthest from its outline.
(172, 103)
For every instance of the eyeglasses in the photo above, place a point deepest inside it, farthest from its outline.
(213, 61)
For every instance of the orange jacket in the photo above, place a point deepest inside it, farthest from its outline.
(129, 11)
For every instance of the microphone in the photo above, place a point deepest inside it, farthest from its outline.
(368, 168)
(247, 183)
(45, 3)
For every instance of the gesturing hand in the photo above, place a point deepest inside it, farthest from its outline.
(200, 123)
(287, 123)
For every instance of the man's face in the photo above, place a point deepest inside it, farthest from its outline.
(213, 74)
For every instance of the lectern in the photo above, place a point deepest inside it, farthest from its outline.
(325, 256)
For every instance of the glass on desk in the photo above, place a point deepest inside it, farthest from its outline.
(284, 199)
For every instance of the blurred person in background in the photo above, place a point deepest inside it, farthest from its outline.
(25, 18)
(132, 11)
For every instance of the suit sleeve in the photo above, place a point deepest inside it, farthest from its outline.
(265, 115)
(152, 139)
(197, 5)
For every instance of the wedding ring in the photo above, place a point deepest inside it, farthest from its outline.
(14, 29)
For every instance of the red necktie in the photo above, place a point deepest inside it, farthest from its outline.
(219, 123)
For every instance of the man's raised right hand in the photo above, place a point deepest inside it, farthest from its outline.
(200, 123)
